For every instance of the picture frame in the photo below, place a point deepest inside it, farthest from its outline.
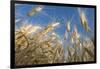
(61, 5)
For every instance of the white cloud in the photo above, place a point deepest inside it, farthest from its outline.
(17, 20)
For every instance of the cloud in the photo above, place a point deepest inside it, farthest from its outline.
(17, 20)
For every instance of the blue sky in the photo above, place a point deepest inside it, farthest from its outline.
(50, 14)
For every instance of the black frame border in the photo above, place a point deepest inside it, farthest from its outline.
(12, 35)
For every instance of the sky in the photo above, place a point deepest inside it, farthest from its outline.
(49, 14)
